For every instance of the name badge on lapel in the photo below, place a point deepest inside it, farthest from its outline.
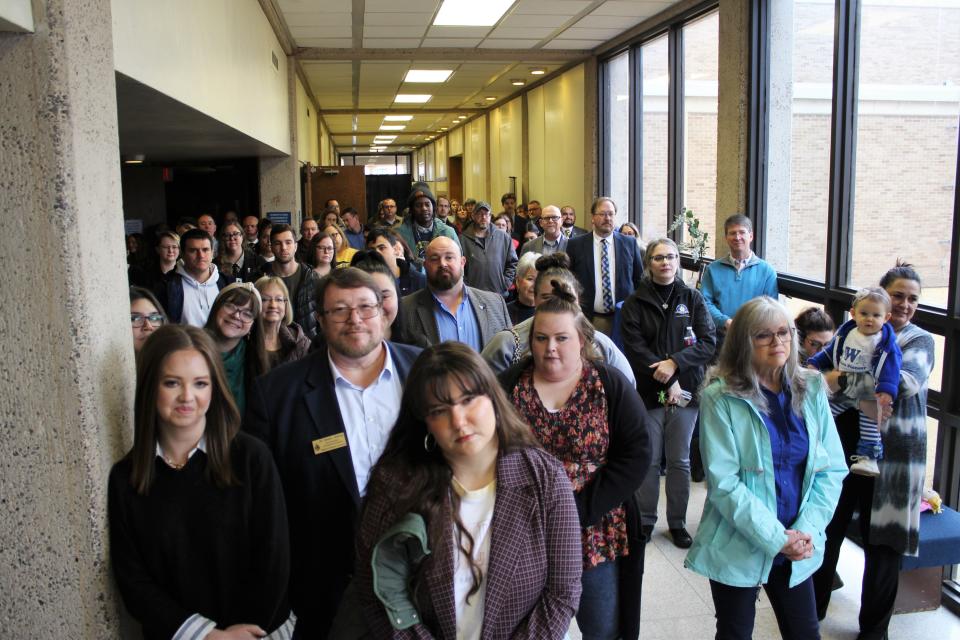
(322, 445)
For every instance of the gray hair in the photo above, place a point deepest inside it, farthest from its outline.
(735, 366)
(527, 261)
(648, 254)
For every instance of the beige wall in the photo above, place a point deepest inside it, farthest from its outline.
(475, 159)
(555, 141)
(308, 149)
(214, 56)
(506, 150)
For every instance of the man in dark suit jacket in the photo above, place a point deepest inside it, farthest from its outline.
(326, 418)
(448, 309)
(626, 266)
(568, 223)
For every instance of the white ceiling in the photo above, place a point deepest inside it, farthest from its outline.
(362, 59)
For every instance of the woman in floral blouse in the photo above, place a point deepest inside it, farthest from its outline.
(590, 417)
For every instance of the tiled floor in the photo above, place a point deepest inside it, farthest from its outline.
(677, 603)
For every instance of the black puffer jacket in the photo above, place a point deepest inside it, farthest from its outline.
(651, 334)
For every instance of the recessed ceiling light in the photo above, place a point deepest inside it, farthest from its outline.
(443, 128)
(464, 116)
(137, 158)
(418, 98)
(468, 13)
(490, 98)
(517, 82)
(427, 75)
(392, 127)
(537, 71)
(397, 118)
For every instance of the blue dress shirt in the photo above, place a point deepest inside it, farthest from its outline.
(462, 327)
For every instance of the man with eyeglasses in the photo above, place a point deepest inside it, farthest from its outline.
(450, 310)
(300, 279)
(607, 264)
(188, 292)
(387, 214)
(552, 239)
(326, 418)
(731, 281)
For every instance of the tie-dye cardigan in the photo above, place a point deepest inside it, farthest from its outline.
(895, 518)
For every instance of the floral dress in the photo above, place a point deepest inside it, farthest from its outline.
(578, 435)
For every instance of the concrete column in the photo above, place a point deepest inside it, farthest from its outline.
(280, 177)
(780, 134)
(67, 368)
(732, 113)
(591, 141)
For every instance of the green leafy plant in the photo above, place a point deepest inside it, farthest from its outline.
(696, 241)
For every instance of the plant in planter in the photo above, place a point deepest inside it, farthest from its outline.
(696, 240)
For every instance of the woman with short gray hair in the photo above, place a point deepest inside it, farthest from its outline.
(774, 468)
(523, 307)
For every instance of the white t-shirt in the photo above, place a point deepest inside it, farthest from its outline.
(857, 353)
(476, 514)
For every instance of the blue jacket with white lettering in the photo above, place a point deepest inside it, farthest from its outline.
(652, 333)
(886, 359)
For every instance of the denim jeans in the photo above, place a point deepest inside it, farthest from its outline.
(599, 614)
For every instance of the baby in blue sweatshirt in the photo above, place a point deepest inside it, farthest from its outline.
(865, 351)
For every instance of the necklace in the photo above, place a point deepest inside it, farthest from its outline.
(664, 302)
(176, 466)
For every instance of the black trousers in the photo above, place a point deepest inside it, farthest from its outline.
(795, 609)
(881, 571)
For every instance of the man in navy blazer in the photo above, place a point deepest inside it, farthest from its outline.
(326, 418)
(626, 268)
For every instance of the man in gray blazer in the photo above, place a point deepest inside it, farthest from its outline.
(552, 240)
(448, 309)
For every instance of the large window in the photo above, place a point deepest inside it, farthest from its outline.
(908, 108)
(798, 124)
(662, 90)
(617, 132)
(700, 61)
(379, 164)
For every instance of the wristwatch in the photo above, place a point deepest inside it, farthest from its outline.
(842, 381)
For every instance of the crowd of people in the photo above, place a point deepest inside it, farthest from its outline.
(452, 424)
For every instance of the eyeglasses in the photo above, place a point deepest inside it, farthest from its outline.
(766, 338)
(550, 218)
(231, 236)
(344, 314)
(605, 214)
(242, 312)
(325, 249)
(816, 344)
(669, 257)
(278, 300)
(137, 319)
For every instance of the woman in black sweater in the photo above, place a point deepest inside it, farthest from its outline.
(198, 526)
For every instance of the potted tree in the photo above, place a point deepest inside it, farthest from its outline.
(695, 240)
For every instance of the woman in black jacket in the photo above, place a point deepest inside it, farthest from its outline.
(668, 338)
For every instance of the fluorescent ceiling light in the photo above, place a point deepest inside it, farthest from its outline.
(386, 138)
(427, 75)
(443, 128)
(392, 127)
(397, 118)
(537, 71)
(469, 13)
(418, 98)
(490, 98)
(517, 82)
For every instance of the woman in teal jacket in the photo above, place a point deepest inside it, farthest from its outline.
(774, 468)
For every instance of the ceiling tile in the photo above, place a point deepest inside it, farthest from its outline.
(581, 33)
(491, 43)
(391, 6)
(551, 7)
(595, 21)
(397, 19)
(394, 31)
(526, 35)
(317, 19)
(630, 8)
(563, 43)
(455, 43)
(300, 32)
(312, 6)
(336, 43)
(391, 43)
(534, 20)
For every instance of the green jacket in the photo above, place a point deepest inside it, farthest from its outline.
(739, 533)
